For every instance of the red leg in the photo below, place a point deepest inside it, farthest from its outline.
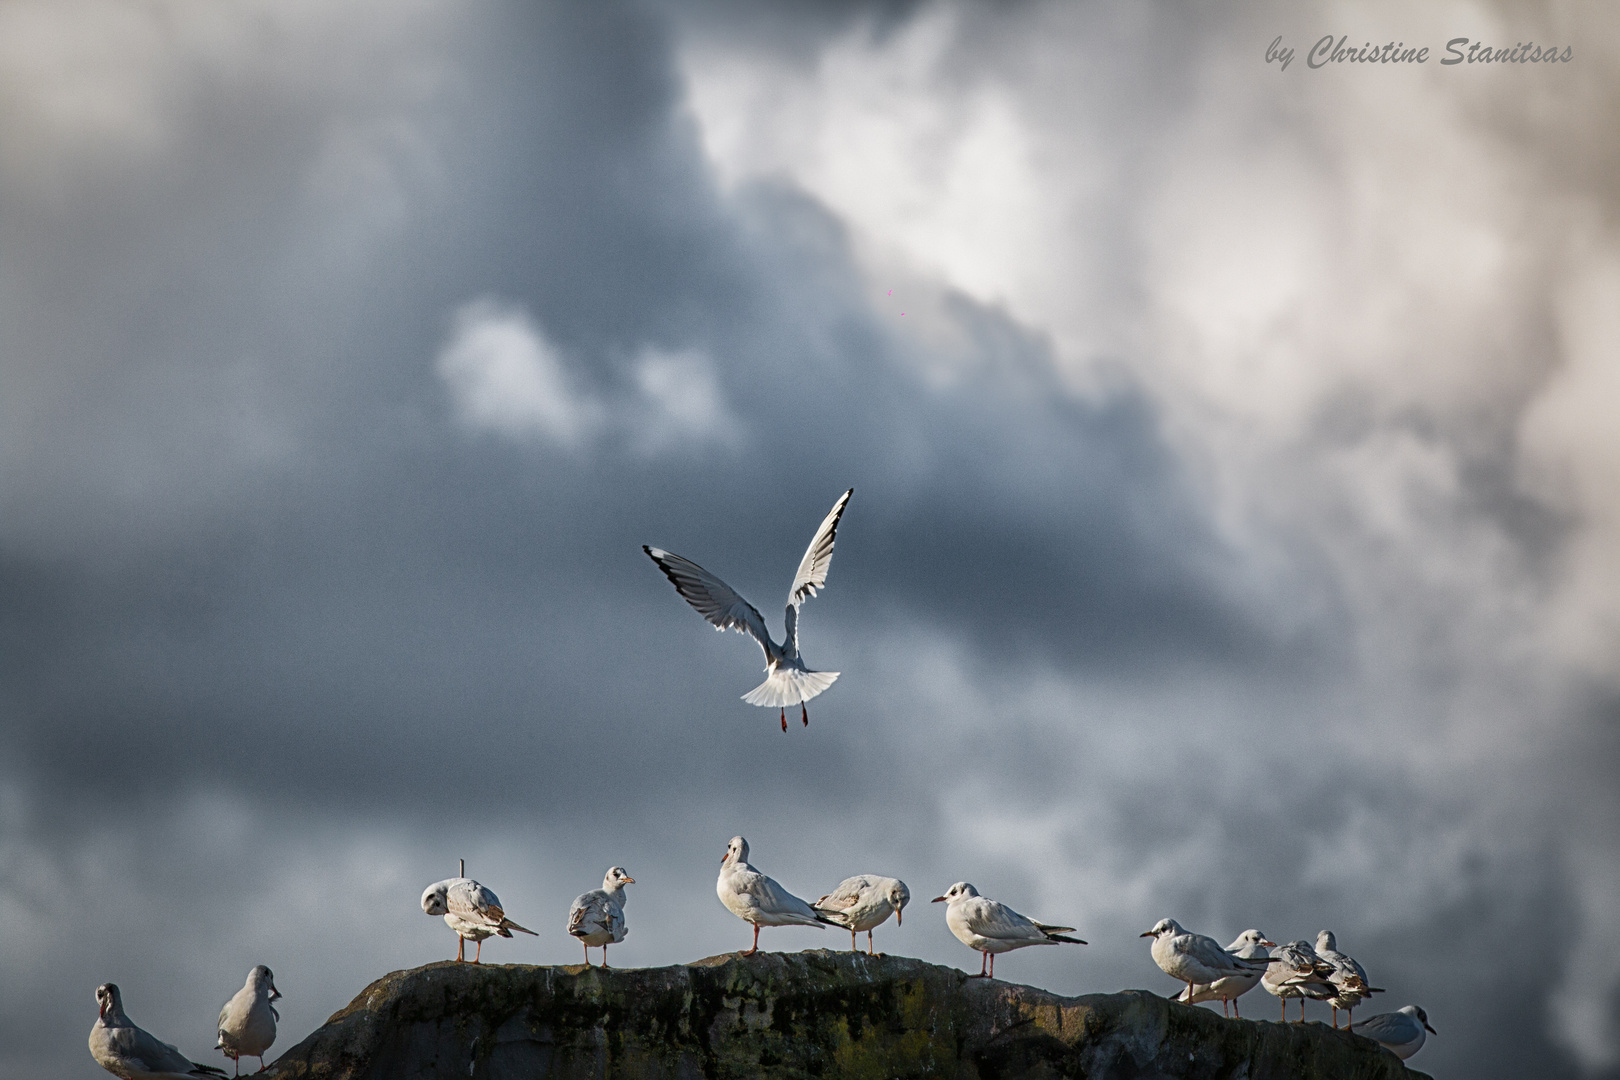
(992, 957)
(853, 947)
(479, 952)
(461, 949)
(261, 1063)
(784, 720)
(587, 949)
(804, 714)
(984, 958)
(604, 958)
(1235, 1009)
(869, 949)
(755, 949)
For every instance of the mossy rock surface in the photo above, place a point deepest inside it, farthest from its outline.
(796, 1015)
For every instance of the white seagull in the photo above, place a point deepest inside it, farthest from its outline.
(471, 910)
(597, 917)
(1401, 1032)
(1195, 958)
(1297, 972)
(129, 1052)
(1349, 977)
(247, 1023)
(787, 680)
(1250, 945)
(863, 902)
(755, 898)
(992, 927)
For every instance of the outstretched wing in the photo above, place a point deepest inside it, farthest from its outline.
(812, 573)
(716, 601)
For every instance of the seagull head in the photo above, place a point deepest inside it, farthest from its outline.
(617, 877)
(899, 897)
(960, 891)
(262, 978)
(1324, 941)
(736, 851)
(1162, 927)
(1410, 1010)
(1255, 937)
(108, 999)
(436, 900)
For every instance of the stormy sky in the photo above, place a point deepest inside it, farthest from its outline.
(1237, 490)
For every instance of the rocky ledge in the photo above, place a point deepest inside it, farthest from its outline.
(809, 1014)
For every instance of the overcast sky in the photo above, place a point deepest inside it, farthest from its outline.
(1236, 514)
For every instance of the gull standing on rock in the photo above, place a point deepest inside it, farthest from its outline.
(1347, 976)
(247, 1023)
(862, 903)
(992, 927)
(597, 917)
(755, 898)
(1250, 945)
(1297, 972)
(129, 1052)
(472, 911)
(1194, 958)
(1401, 1032)
(787, 680)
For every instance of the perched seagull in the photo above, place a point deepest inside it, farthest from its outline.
(247, 1023)
(597, 917)
(1297, 972)
(1347, 976)
(863, 902)
(471, 910)
(1194, 958)
(787, 680)
(1401, 1032)
(1250, 945)
(755, 898)
(992, 927)
(129, 1052)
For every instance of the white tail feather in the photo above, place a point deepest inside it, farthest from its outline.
(789, 687)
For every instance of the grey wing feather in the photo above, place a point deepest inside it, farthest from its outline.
(716, 601)
(1387, 1027)
(157, 1055)
(812, 573)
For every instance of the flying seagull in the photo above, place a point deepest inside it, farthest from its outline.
(787, 680)
(992, 927)
(133, 1053)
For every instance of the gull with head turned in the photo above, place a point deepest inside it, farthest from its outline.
(247, 1023)
(992, 927)
(1297, 972)
(862, 903)
(1347, 976)
(757, 899)
(472, 911)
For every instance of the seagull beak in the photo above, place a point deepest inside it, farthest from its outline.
(724, 857)
(936, 900)
(275, 995)
(628, 880)
(1268, 944)
(1148, 933)
(1429, 1029)
(899, 914)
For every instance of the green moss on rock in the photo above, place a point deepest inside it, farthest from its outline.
(796, 1015)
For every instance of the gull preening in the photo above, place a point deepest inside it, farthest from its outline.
(755, 898)
(132, 1053)
(597, 917)
(471, 910)
(787, 680)
(1297, 972)
(862, 903)
(247, 1023)
(1250, 945)
(1401, 1032)
(1347, 976)
(992, 927)
(1195, 958)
